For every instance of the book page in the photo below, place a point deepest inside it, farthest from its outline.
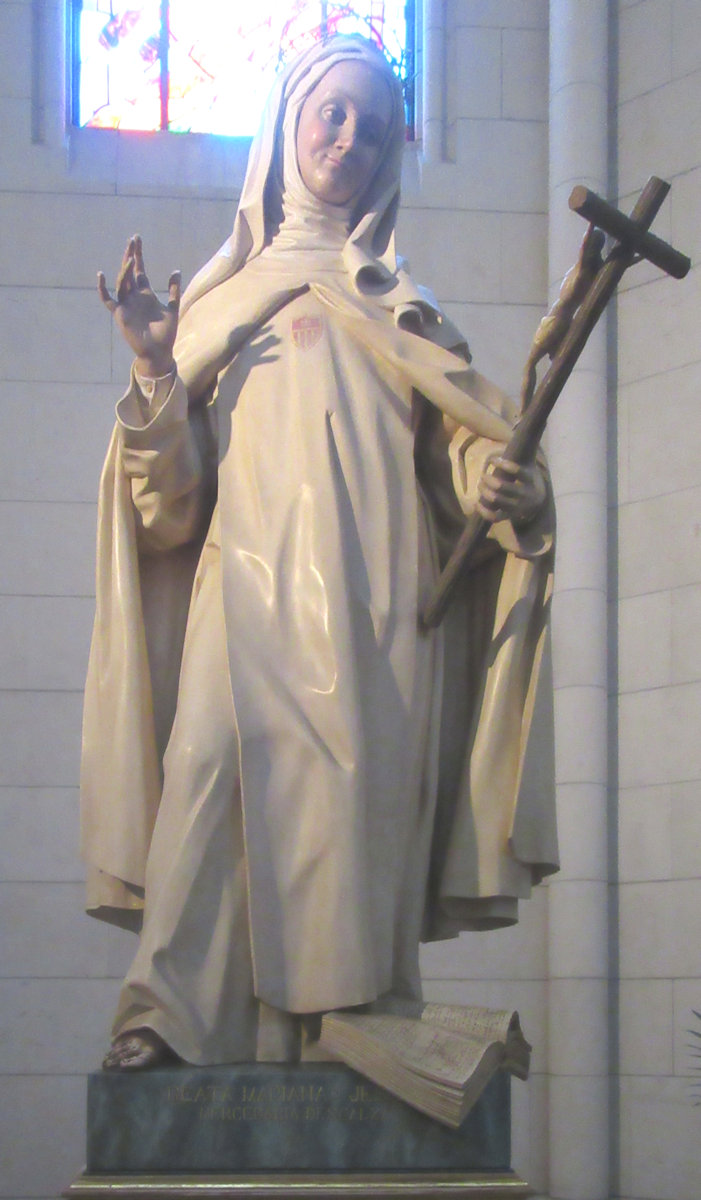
(484, 1024)
(487, 1024)
(428, 1050)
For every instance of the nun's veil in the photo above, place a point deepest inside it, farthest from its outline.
(260, 212)
(232, 295)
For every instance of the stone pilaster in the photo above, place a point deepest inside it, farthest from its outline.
(578, 931)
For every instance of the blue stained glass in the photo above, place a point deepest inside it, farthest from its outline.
(119, 82)
(213, 69)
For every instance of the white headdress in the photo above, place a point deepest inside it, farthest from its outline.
(261, 209)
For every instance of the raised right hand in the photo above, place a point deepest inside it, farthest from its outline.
(148, 326)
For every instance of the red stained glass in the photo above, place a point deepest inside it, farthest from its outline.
(206, 67)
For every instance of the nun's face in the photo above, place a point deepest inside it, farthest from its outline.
(342, 129)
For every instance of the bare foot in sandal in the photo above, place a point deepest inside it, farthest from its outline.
(138, 1050)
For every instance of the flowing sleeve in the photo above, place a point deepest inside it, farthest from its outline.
(468, 457)
(154, 496)
(495, 833)
(166, 454)
(450, 459)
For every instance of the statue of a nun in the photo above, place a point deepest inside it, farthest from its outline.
(284, 778)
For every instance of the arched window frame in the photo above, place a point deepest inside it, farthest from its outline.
(202, 165)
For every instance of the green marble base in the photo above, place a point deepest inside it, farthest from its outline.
(313, 1118)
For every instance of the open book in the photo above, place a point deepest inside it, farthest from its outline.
(436, 1057)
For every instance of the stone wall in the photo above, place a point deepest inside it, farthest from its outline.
(656, 570)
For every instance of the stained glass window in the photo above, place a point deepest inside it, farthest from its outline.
(207, 66)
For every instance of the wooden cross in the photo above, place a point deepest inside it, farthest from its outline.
(632, 243)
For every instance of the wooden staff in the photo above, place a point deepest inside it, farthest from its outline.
(632, 243)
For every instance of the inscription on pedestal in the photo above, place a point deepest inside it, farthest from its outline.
(276, 1102)
(270, 1117)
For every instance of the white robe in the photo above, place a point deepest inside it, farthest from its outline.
(306, 689)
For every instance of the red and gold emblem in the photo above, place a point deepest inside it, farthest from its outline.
(306, 332)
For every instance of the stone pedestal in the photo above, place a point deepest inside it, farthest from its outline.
(270, 1130)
